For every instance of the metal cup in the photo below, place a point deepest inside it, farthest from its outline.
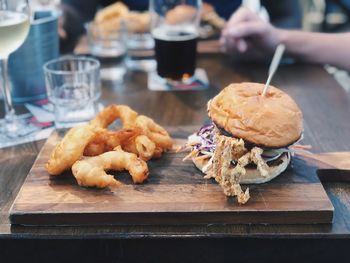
(26, 64)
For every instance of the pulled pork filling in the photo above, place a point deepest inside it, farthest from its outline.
(203, 142)
(227, 158)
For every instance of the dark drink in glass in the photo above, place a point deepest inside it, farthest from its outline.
(174, 27)
(175, 52)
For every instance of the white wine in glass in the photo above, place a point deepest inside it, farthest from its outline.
(14, 28)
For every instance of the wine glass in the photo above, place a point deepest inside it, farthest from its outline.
(14, 28)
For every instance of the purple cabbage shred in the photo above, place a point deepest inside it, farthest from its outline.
(206, 134)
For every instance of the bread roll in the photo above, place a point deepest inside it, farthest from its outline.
(272, 121)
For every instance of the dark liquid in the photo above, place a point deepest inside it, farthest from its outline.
(176, 59)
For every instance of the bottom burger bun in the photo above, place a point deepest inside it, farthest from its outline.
(252, 176)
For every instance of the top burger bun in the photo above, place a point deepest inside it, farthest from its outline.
(272, 121)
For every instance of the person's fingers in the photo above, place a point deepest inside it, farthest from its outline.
(242, 45)
(228, 44)
(222, 41)
(242, 14)
(223, 45)
(223, 48)
(61, 31)
(246, 29)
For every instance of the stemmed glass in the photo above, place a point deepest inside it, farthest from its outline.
(14, 28)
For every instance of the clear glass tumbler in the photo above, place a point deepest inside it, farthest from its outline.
(73, 86)
(106, 42)
(139, 43)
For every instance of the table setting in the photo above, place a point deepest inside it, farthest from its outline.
(167, 148)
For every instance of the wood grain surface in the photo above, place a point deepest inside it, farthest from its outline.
(332, 167)
(175, 191)
(326, 109)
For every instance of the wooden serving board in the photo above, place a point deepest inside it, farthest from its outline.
(175, 193)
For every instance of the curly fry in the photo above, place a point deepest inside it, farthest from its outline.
(90, 171)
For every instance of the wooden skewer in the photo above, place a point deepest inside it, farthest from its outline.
(274, 65)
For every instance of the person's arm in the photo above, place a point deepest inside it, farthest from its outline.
(322, 48)
(248, 35)
(70, 28)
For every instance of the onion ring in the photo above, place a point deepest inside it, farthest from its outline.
(70, 149)
(155, 132)
(90, 171)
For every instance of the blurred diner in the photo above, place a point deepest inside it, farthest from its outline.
(284, 14)
(248, 35)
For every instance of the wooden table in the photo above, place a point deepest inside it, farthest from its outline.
(326, 108)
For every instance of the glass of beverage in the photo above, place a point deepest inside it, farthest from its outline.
(174, 26)
(105, 42)
(14, 28)
(140, 44)
(73, 86)
(26, 63)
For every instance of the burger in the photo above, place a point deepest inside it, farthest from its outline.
(248, 138)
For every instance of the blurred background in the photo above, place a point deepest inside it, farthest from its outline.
(317, 16)
(326, 15)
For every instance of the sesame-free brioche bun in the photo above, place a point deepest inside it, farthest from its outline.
(270, 121)
(252, 175)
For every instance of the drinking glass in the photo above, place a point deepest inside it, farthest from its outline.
(73, 87)
(105, 42)
(14, 28)
(174, 26)
(26, 63)
(140, 44)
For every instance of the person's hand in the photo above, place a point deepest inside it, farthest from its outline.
(247, 35)
(70, 28)
(61, 30)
